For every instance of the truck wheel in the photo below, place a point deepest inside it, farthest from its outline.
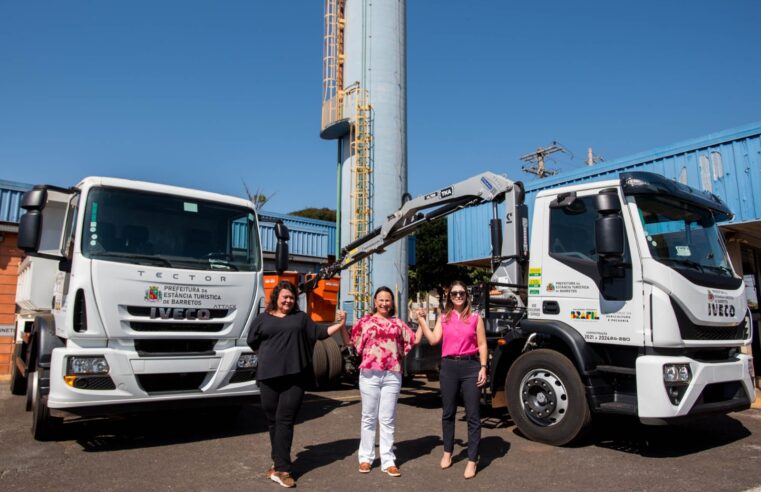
(335, 360)
(546, 398)
(44, 427)
(320, 364)
(18, 382)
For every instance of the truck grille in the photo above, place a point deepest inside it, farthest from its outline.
(166, 383)
(156, 348)
(696, 332)
(692, 331)
(174, 327)
(145, 311)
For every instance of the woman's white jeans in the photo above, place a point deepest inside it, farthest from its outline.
(380, 391)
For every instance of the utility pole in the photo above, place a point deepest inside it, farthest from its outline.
(537, 158)
(593, 159)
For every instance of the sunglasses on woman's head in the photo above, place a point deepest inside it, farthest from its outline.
(458, 293)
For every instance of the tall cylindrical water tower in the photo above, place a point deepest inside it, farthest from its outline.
(365, 109)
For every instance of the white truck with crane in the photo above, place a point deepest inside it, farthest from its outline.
(623, 302)
(134, 295)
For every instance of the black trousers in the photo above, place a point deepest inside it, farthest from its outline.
(281, 399)
(456, 375)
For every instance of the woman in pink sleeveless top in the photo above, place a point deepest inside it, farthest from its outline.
(463, 366)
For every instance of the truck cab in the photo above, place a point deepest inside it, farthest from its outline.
(633, 308)
(153, 291)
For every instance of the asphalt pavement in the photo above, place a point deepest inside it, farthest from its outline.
(218, 450)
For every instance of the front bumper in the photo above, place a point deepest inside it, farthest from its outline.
(716, 387)
(147, 380)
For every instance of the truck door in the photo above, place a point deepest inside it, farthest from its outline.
(602, 308)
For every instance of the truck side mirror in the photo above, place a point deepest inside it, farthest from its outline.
(30, 224)
(281, 231)
(29, 229)
(609, 226)
(281, 249)
(34, 199)
(609, 236)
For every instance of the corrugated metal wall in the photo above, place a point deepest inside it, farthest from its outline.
(727, 163)
(10, 200)
(304, 241)
(309, 237)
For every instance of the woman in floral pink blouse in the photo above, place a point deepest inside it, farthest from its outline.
(382, 341)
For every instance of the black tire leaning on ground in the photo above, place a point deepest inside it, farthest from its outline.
(546, 376)
(335, 360)
(320, 365)
(44, 426)
(18, 382)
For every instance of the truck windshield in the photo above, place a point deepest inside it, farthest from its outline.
(145, 228)
(683, 236)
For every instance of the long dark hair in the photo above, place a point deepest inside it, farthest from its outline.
(283, 284)
(383, 288)
(449, 306)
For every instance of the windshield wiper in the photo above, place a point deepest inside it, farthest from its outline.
(217, 263)
(684, 261)
(719, 268)
(132, 256)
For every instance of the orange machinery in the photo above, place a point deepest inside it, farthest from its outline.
(321, 301)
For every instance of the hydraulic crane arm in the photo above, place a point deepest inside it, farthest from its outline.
(481, 188)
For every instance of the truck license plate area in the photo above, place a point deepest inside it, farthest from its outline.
(171, 383)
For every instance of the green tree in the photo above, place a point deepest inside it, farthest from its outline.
(258, 198)
(431, 270)
(317, 213)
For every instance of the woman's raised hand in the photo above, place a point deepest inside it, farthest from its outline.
(420, 312)
(341, 316)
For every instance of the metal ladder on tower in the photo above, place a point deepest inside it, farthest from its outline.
(333, 63)
(361, 138)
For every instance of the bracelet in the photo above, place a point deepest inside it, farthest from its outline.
(483, 365)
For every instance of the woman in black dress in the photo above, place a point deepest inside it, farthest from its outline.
(284, 339)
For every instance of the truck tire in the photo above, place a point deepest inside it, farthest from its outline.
(320, 365)
(29, 391)
(18, 382)
(546, 398)
(44, 426)
(335, 360)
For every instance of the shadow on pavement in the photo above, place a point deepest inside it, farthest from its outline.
(152, 429)
(412, 449)
(491, 448)
(628, 435)
(318, 455)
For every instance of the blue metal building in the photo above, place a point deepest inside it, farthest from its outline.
(10, 204)
(726, 163)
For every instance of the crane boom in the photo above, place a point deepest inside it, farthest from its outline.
(486, 187)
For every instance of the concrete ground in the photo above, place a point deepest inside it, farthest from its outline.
(215, 451)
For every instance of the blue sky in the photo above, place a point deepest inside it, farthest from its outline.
(208, 94)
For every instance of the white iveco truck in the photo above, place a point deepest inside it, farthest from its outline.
(627, 302)
(134, 295)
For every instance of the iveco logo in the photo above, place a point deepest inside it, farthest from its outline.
(180, 313)
(721, 310)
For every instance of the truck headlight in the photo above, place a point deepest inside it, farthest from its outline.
(677, 373)
(80, 366)
(247, 361)
(676, 379)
